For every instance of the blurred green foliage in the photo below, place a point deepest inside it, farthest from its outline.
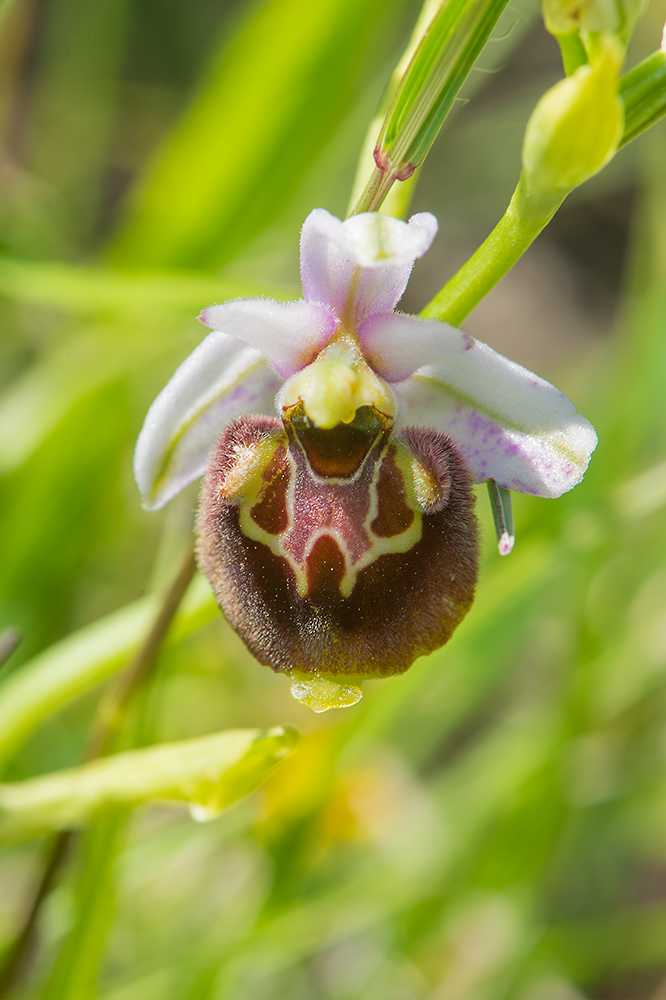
(487, 826)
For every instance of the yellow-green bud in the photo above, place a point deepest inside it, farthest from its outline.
(615, 17)
(575, 128)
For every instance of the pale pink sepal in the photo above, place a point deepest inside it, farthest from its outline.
(291, 334)
(221, 380)
(509, 424)
(395, 345)
(361, 266)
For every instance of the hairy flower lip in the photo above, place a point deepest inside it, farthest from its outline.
(338, 572)
(507, 423)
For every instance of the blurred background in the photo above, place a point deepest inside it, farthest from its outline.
(492, 823)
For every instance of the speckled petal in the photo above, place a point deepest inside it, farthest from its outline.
(291, 334)
(361, 266)
(509, 424)
(221, 379)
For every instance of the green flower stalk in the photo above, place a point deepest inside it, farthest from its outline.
(573, 132)
(643, 93)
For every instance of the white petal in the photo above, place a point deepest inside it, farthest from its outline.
(509, 424)
(395, 345)
(361, 266)
(291, 334)
(222, 379)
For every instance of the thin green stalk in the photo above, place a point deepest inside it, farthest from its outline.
(112, 712)
(21, 950)
(643, 91)
(514, 233)
(375, 192)
(75, 972)
(573, 51)
(114, 707)
(87, 658)
(366, 163)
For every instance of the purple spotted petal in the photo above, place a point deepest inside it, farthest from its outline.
(395, 345)
(361, 266)
(291, 334)
(221, 379)
(509, 424)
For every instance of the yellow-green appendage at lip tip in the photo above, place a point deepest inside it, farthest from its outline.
(321, 692)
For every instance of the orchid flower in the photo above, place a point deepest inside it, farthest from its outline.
(340, 440)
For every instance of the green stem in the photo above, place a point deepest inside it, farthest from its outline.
(643, 90)
(19, 952)
(87, 658)
(76, 969)
(517, 229)
(573, 51)
(106, 725)
(113, 710)
(375, 192)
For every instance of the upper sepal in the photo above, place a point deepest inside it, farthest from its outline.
(361, 266)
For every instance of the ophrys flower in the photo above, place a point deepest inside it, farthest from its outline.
(340, 440)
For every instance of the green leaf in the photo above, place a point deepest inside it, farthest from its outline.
(643, 90)
(272, 97)
(437, 70)
(77, 965)
(84, 289)
(85, 658)
(209, 773)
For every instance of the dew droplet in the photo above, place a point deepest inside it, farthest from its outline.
(322, 693)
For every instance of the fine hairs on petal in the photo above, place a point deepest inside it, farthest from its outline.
(375, 240)
(291, 334)
(361, 266)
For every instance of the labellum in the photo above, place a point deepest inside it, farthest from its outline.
(338, 553)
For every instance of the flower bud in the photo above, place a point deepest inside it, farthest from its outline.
(575, 128)
(615, 17)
